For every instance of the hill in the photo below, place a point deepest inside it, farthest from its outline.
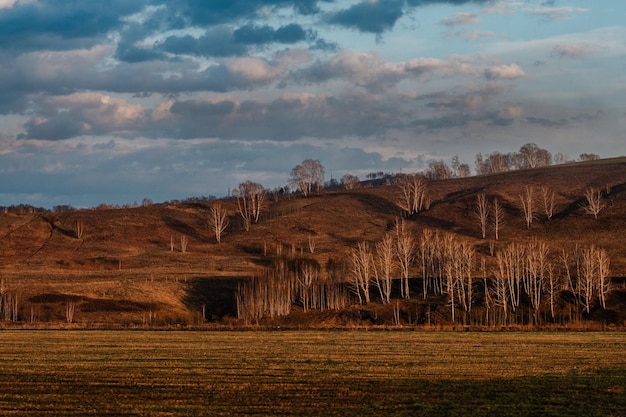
(127, 267)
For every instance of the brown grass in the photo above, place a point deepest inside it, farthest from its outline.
(312, 373)
(124, 254)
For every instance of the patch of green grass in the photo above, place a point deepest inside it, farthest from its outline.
(312, 373)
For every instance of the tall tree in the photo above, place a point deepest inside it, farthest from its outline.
(413, 194)
(405, 250)
(385, 265)
(527, 199)
(497, 217)
(594, 201)
(482, 212)
(218, 220)
(362, 268)
(547, 198)
(308, 176)
(251, 200)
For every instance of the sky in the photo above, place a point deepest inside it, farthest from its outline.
(113, 102)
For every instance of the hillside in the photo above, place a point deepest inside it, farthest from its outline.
(122, 270)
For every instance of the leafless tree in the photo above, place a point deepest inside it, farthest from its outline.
(594, 202)
(458, 267)
(603, 280)
(251, 201)
(306, 276)
(491, 163)
(218, 219)
(459, 170)
(482, 212)
(588, 156)
(70, 309)
(534, 157)
(508, 276)
(385, 262)
(312, 242)
(497, 217)
(527, 199)
(405, 251)
(535, 274)
(553, 287)
(361, 259)
(79, 229)
(547, 198)
(588, 273)
(413, 194)
(350, 182)
(559, 158)
(184, 241)
(438, 170)
(307, 176)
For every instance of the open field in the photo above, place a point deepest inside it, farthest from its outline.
(312, 373)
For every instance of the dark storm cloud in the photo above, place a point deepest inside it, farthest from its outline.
(216, 42)
(27, 25)
(283, 119)
(367, 16)
(223, 41)
(257, 35)
(380, 16)
(64, 126)
(215, 12)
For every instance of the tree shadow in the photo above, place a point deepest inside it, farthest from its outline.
(218, 295)
(183, 228)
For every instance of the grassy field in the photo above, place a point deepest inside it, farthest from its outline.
(68, 373)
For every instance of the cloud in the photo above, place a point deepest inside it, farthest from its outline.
(217, 41)
(63, 126)
(509, 72)
(544, 11)
(50, 24)
(203, 13)
(552, 13)
(64, 117)
(369, 70)
(460, 19)
(574, 50)
(541, 121)
(259, 35)
(372, 16)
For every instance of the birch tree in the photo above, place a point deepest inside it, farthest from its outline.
(308, 176)
(547, 198)
(251, 201)
(482, 212)
(361, 259)
(218, 220)
(527, 199)
(350, 182)
(385, 266)
(413, 196)
(594, 203)
(497, 217)
(405, 251)
(603, 280)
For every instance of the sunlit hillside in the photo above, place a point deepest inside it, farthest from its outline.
(160, 264)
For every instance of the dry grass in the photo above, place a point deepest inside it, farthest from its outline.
(124, 254)
(312, 373)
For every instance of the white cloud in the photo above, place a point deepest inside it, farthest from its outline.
(550, 13)
(460, 19)
(509, 72)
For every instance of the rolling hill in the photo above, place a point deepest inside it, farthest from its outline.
(126, 267)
